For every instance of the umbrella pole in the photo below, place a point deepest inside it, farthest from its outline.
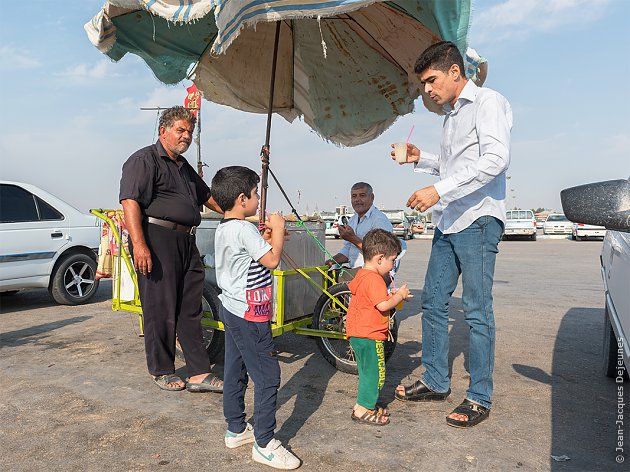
(199, 163)
(264, 184)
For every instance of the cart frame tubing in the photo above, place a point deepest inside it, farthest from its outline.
(278, 326)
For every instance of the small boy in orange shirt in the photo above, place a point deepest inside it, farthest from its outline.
(367, 321)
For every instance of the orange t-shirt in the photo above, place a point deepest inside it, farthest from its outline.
(364, 320)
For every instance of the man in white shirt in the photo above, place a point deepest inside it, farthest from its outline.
(366, 217)
(469, 212)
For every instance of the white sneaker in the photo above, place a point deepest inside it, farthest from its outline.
(233, 440)
(275, 455)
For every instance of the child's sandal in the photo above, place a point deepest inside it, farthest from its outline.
(382, 410)
(372, 417)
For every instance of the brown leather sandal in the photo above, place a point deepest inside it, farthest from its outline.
(372, 417)
(168, 382)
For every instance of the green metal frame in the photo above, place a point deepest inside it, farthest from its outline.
(278, 326)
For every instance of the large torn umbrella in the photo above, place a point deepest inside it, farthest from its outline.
(344, 66)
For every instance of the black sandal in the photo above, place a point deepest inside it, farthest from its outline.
(419, 392)
(475, 414)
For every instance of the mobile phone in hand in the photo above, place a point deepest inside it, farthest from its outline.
(344, 220)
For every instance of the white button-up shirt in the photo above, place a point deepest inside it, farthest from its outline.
(473, 160)
(373, 218)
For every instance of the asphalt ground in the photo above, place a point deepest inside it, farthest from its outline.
(76, 395)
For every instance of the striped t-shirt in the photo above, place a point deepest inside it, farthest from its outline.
(245, 283)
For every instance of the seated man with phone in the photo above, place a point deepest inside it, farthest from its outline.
(366, 217)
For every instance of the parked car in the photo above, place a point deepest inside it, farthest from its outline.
(417, 226)
(520, 223)
(399, 221)
(605, 204)
(582, 231)
(333, 222)
(45, 242)
(331, 225)
(557, 223)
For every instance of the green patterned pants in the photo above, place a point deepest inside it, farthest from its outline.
(370, 357)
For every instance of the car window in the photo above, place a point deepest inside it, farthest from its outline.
(16, 205)
(519, 215)
(47, 212)
(557, 218)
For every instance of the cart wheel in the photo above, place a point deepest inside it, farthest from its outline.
(329, 316)
(213, 339)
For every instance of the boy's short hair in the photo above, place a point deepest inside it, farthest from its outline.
(229, 182)
(440, 56)
(379, 241)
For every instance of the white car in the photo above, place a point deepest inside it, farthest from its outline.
(557, 223)
(332, 228)
(520, 223)
(583, 231)
(333, 222)
(46, 243)
(605, 204)
(399, 221)
(615, 262)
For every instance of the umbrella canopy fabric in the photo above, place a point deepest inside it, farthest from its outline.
(344, 66)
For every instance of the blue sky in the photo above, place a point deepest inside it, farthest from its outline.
(71, 117)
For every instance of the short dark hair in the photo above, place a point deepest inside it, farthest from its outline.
(359, 185)
(173, 114)
(379, 241)
(228, 183)
(440, 56)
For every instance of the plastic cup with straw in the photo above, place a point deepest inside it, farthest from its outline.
(400, 149)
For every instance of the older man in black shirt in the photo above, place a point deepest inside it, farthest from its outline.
(161, 194)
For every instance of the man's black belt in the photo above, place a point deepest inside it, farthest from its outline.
(171, 225)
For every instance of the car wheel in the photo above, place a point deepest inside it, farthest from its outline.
(74, 280)
(533, 237)
(609, 347)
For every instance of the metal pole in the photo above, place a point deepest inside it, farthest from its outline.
(199, 163)
(264, 184)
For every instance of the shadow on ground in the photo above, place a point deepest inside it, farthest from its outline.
(583, 427)
(33, 334)
(33, 298)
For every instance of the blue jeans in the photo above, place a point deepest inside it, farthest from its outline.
(250, 352)
(472, 253)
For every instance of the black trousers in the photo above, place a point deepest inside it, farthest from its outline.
(171, 301)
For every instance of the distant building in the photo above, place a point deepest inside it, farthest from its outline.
(341, 210)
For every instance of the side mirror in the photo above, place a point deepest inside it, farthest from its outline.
(602, 203)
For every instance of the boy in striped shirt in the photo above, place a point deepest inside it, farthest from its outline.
(243, 259)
